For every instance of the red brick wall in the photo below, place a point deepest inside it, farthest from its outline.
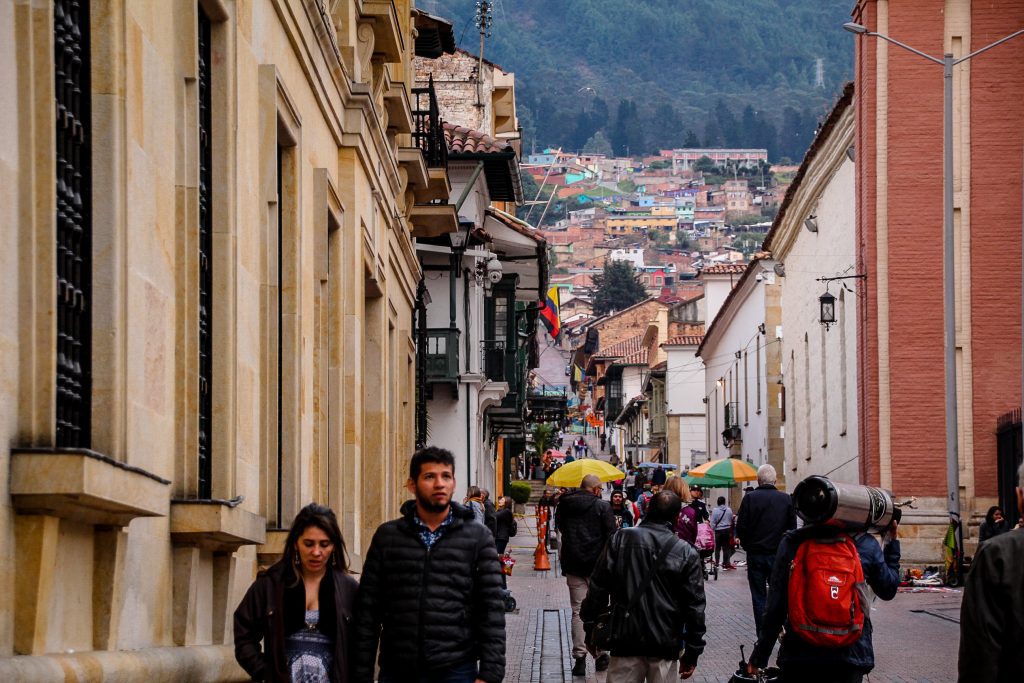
(997, 147)
(914, 202)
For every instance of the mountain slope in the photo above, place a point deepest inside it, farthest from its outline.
(675, 59)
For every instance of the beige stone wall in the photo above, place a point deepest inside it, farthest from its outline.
(94, 555)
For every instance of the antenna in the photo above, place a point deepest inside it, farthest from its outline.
(819, 73)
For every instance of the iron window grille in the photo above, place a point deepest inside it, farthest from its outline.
(74, 222)
(205, 468)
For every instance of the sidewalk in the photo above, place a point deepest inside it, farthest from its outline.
(916, 636)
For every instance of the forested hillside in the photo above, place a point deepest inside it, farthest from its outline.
(647, 74)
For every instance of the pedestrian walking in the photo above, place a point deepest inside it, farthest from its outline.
(764, 516)
(721, 523)
(489, 509)
(827, 622)
(505, 527)
(585, 523)
(991, 628)
(475, 502)
(299, 607)
(604, 440)
(630, 483)
(698, 504)
(655, 588)
(430, 594)
(621, 510)
(686, 523)
(658, 476)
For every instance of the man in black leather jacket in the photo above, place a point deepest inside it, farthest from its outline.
(666, 623)
(585, 523)
(430, 592)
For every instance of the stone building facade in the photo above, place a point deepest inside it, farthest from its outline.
(208, 280)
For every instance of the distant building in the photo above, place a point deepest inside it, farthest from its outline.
(683, 159)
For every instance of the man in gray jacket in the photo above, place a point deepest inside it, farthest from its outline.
(991, 626)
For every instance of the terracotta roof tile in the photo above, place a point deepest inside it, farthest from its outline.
(635, 358)
(462, 140)
(685, 340)
(723, 269)
(622, 348)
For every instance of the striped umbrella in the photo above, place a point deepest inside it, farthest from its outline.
(726, 469)
(709, 482)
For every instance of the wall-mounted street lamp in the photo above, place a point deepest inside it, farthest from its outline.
(811, 223)
(827, 302)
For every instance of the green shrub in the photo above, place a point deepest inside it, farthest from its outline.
(519, 491)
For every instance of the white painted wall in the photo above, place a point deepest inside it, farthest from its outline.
(820, 374)
(731, 379)
(684, 394)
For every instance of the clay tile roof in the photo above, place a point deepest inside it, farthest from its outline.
(462, 140)
(723, 269)
(635, 358)
(622, 348)
(685, 340)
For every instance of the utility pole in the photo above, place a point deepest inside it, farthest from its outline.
(484, 19)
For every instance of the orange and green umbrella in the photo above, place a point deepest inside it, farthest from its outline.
(726, 469)
(709, 482)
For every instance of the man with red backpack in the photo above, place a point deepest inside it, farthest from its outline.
(819, 593)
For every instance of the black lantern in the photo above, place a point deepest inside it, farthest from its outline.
(828, 309)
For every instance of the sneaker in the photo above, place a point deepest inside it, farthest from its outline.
(729, 566)
(602, 662)
(580, 667)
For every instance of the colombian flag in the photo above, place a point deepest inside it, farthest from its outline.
(549, 313)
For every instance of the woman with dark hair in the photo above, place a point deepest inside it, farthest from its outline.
(300, 607)
(995, 523)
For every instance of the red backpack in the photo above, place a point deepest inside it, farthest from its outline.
(826, 592)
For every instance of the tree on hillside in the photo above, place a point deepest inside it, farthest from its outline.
(598, 144)
(691, 141)
(617, 288)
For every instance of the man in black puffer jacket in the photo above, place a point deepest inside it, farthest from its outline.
(430, 593)
(665, 623)
(585, 523)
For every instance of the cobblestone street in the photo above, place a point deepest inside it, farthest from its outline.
(916, 635)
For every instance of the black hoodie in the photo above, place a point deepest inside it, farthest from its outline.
(586, 523)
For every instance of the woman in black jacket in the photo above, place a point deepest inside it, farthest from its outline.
(995, 523)
(300, 608)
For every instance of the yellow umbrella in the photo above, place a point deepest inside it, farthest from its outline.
(573, 473)
(727, 469)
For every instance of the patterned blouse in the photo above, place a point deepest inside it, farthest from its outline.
(309, 652)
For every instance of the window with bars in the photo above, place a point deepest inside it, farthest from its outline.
(74, 222)
(205, 260)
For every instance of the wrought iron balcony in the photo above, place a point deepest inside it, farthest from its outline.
(428, 133)
(493, 352)
(442, 357)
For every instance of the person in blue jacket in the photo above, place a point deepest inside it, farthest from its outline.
(799, 660)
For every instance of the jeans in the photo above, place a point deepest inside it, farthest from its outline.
(578, 586)
(723, 545)
(641, 669)
(460, 673)
(759, 572)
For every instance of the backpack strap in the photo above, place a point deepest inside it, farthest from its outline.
(658, 563)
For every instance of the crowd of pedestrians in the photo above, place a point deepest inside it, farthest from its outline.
(429, 606)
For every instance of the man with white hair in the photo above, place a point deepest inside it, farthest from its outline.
(991, 628)
(585, 523)
(764, 516)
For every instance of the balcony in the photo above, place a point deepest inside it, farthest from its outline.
(442, 358)
(428, 133)
(493, 357)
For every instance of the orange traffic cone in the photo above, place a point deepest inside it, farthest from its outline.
(540, 557)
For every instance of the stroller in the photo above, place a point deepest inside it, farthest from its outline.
(705, 546)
